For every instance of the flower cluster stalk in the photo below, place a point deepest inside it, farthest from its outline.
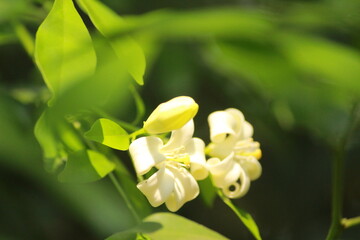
(337, 223)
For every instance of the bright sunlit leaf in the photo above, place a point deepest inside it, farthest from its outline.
(86, 166)
(109, 133)
(129, 53)
(176, 227)
(165, 226)
(63, 48)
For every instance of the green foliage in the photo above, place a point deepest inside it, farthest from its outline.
(86, 166)
(297, 63)
(324, 95)
(201, 24)
(128, 52)
(109, 133)
(62, 46)
(57, 139)
(164, 226)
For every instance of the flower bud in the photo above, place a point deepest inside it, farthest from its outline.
(171, 115)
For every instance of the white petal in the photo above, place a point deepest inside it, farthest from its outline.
(179, 137)
(158, 187)
(195, 148)
(251, 165)
(145, 152)
(247, 130)
(224, 172)
(240, 188)
(221, 124)
(238, 118)
(223, 149)
(185, 189)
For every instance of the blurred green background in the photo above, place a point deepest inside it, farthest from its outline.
(292, 68)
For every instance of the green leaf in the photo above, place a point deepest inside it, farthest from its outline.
(86, 166)
(176, 227)
(62, 46)
(335, 63)
(56, 139)
(109, 133)
(53, 151)
(204, 23)
(129, 53)
(165, 226)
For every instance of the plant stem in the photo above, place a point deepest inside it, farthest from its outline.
(123, 195)
(338, 176)
(136, 133)
(114, 180)
(337, 194)
(350, 222)
(25, 38)
(125, 125)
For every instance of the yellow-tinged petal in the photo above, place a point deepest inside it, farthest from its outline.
(145, 152)
(171, 115)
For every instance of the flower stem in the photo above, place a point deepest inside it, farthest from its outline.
(136, 133)
(350, 222)
(127, 126)
(123, 195)
(338, 176)
(114, 180)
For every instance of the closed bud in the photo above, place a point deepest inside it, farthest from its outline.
(171, 115)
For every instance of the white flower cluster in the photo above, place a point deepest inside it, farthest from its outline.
(181, 160)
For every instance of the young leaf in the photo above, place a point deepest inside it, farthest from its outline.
(109, 133)
(127, 50)
(86, 166)
(63, 47)
(165, 226)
